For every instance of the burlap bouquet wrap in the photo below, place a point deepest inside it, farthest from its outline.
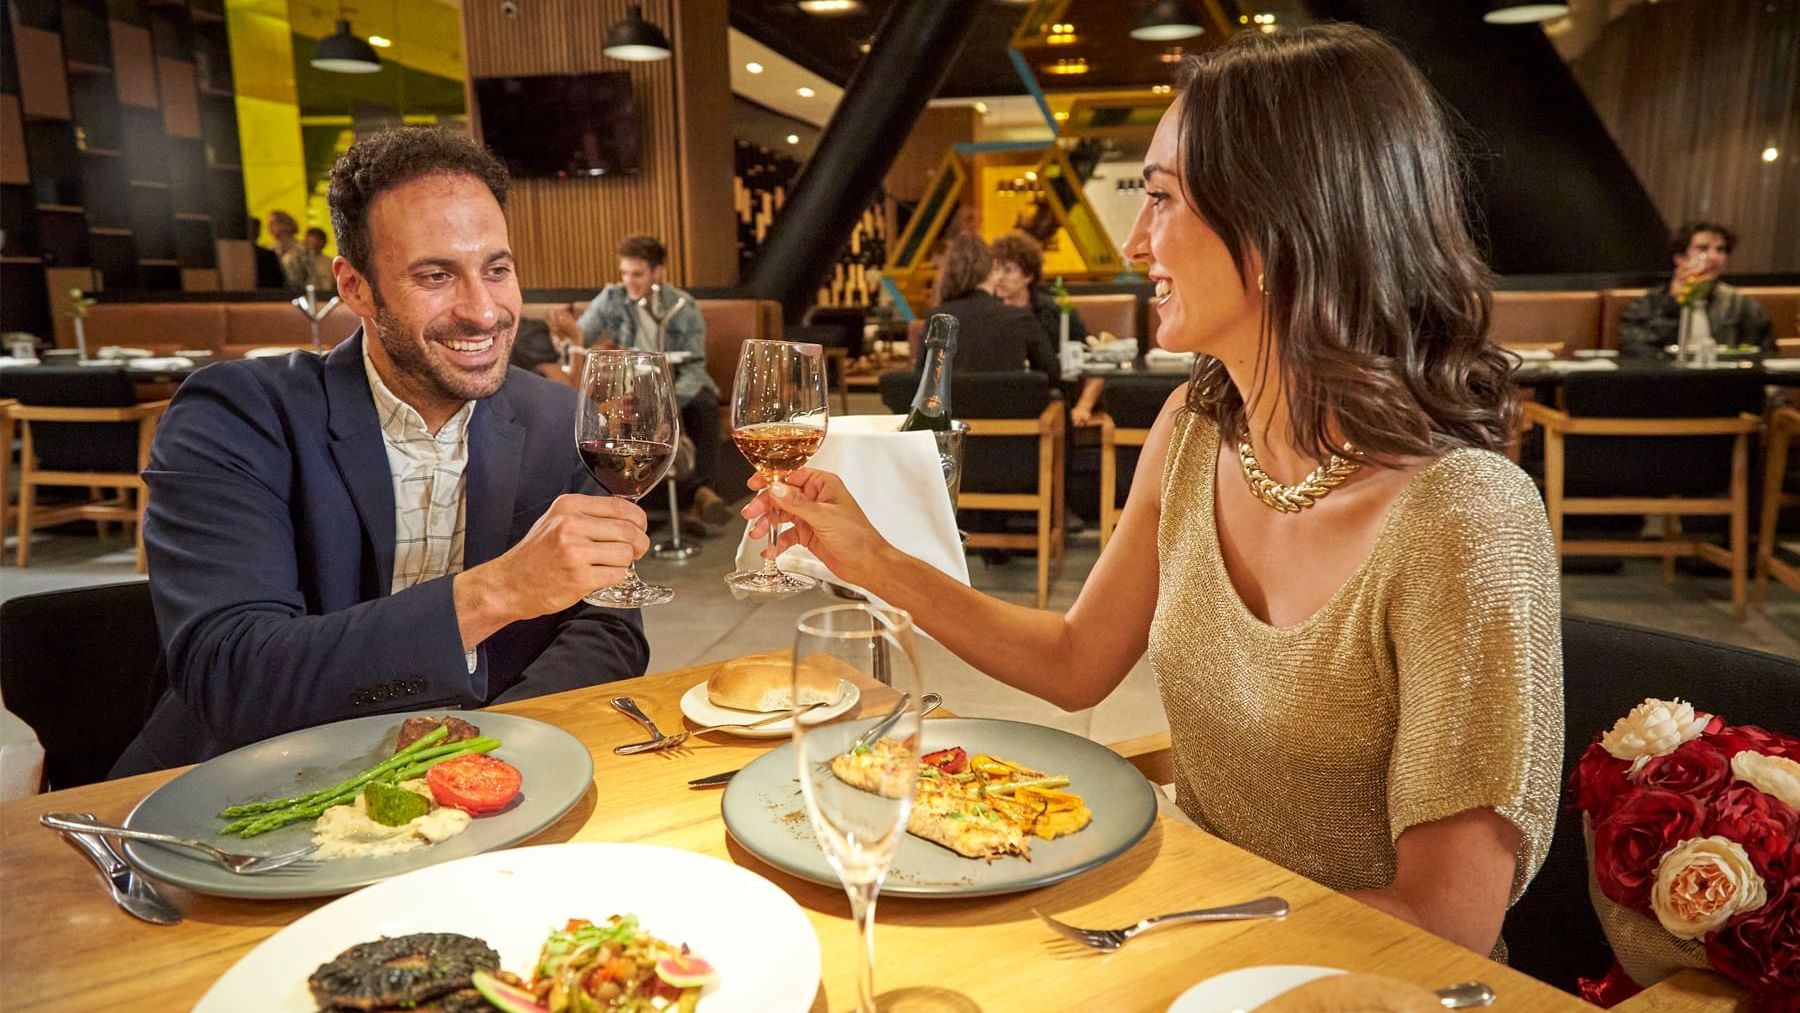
(1645, 949)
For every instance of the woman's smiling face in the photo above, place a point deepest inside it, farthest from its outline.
(1199, 297)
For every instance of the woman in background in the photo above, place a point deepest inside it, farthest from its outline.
(992, 337)
(1349, 596)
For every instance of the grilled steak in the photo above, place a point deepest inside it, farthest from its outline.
(404, 971)
(413, 729)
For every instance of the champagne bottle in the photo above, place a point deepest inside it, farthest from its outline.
(931, 404)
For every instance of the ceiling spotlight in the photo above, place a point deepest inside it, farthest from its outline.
(863, 47)
(636, 40)
(753, 67)
(1771, 153)
(1520, 12)
(804, 92)
(1167, 20)
(1031, 174)
(1161, 89)
(1172, 54)
(342, 52)
(829, 6)
(1060, 116)
(982, 108)
(793, 139)
(380, 41)
(1067, 67)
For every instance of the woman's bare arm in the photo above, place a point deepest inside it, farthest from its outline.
(1072, 660)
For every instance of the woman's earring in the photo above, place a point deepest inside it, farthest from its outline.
(1260, 287)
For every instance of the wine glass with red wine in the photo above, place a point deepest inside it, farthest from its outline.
(627, 427)
(778, 414)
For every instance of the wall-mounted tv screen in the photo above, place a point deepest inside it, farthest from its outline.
(561, 124)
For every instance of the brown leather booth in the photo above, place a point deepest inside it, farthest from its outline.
(161, 328)
(1116, 314)
(1547, 318)
(255, 324)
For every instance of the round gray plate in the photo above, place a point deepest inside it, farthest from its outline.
(765, 813)
(556, 766)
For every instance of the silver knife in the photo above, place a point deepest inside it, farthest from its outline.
(129, 890)
(713, 780)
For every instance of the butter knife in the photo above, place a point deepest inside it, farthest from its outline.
(136, 894)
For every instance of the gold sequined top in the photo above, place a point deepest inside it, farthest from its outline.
(1430, 684)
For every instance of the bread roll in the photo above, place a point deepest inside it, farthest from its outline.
(765, 682)
(1354, 993)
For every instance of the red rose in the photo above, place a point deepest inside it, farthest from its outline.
(1630, 840)
(1766, 826)
(1760, 949)
(1694, 768)
(1736, 738)
(1598, 782)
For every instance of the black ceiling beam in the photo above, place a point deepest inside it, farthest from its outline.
(913, 50)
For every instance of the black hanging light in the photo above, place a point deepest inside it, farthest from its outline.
(342, 52)
(1522, 12)
(1168, 20)
(636, 40)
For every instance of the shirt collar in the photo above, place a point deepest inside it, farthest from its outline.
(400, 421)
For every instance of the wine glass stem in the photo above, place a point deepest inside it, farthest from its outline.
(631, 581)
(862, 909)
(769, 569)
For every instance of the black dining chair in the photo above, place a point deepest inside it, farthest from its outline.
(82, 668)
(1013, 461)
(1552, 933)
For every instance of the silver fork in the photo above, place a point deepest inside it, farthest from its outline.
(671, 741)
(1108, 940)
(243, 865)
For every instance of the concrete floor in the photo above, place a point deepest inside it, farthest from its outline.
(705, 623)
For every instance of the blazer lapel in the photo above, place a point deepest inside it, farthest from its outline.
(496, 448)
(360, 453)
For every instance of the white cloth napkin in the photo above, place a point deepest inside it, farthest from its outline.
(898, 480)
(9, 361)
(1781, 365)
(119, 352)
(1582, 365)
(1533, 354)
(1162, 358)
(163, 362)
(21, 758)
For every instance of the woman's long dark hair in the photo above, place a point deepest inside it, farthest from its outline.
(1325, 150)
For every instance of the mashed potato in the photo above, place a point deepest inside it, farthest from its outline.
(346, 831)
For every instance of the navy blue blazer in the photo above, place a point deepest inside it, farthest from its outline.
(270, 535)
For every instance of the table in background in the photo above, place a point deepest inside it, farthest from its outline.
(75, 950)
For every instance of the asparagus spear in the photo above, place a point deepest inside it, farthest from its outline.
(399, 759)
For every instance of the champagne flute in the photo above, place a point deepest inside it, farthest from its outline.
(859, 827)
(778, 414)
(627, 427)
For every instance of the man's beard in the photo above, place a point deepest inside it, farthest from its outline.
(413, 359)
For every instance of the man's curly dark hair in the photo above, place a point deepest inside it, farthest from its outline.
(381, 161)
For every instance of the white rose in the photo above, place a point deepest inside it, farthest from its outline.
(1773, 775)
(1702, 883)
(1653, 728)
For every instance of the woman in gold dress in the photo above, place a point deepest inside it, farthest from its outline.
(1349, 597)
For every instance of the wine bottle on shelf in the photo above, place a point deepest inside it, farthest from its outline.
(931, 404)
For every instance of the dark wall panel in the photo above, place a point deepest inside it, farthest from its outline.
(1555, 194)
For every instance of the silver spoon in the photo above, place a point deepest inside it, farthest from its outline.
(244, 865)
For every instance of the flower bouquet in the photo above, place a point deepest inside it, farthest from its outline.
(1694, 851)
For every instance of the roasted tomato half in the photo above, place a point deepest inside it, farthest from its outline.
(954, 760)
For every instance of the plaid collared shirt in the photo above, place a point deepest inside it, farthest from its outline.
(430, 485)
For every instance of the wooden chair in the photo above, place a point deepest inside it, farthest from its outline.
(1783, 424)
(1013, 457)
(1639, 471)
(6, 451)
(128, 508)
(1046, 501)
(1132, 405)
(1112, 437)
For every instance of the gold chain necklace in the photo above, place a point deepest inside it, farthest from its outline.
(1290, 499)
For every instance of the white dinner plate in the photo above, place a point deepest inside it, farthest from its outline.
(754, 935)
(1246, 988)
(702, 711)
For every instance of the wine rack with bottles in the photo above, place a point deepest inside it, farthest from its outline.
(760, 188)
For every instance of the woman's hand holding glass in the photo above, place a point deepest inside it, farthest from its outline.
(824, 519)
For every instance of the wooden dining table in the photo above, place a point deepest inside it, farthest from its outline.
(64, 946)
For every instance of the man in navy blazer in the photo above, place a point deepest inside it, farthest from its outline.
(283, 492)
